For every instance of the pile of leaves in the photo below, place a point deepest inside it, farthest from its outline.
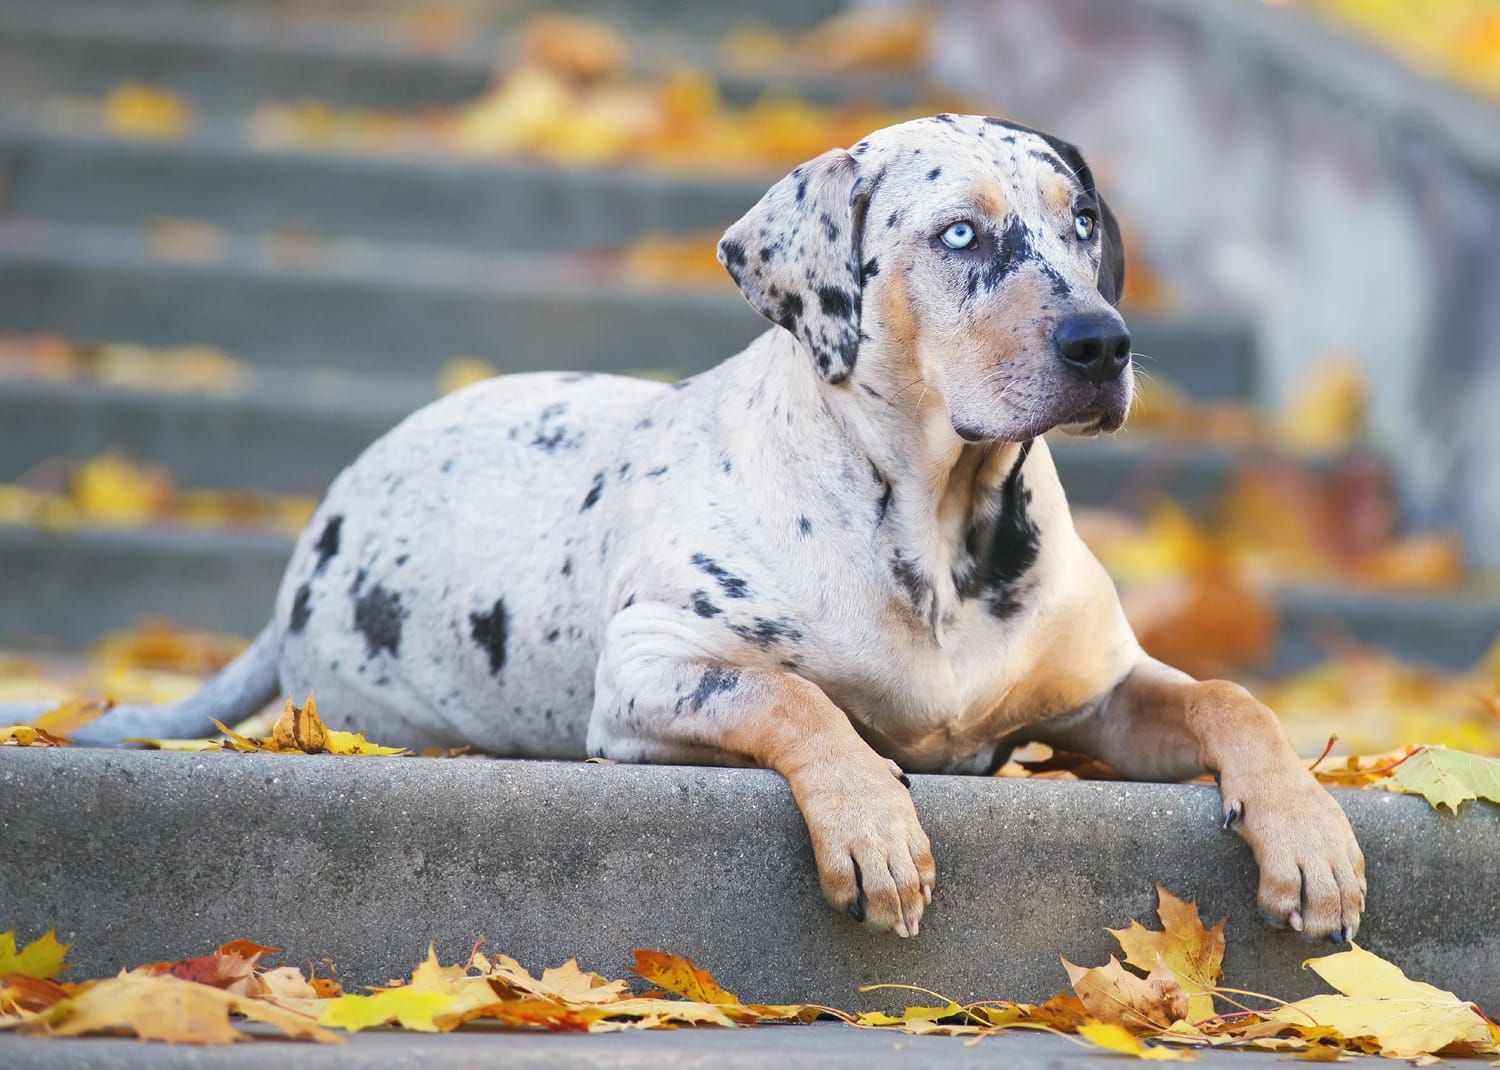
(111, 491)
(1165, 997)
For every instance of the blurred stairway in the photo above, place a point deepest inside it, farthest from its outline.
(414, 260)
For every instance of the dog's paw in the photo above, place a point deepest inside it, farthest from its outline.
(1312, 872)
(874, 860)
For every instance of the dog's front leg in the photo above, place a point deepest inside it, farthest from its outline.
(873, 858)
(1161, 724)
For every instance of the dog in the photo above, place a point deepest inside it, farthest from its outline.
(842, 554)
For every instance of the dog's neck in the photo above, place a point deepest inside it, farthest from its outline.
(935, 496)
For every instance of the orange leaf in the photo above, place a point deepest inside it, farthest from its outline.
(678, 975)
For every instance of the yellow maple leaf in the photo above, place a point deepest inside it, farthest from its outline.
(1114, 1037)
(45, 957)
(1406, 1018)
(1193, 954)
(26, 735)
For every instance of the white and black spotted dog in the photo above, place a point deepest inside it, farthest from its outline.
(841, 553)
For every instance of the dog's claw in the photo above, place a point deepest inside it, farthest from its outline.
(857, 910)
(905, 780)
(1232, 814)
(1294, 919)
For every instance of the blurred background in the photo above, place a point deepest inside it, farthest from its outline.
(241, 238)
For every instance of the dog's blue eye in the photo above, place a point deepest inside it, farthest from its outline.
(1083, 226)
(959, 236)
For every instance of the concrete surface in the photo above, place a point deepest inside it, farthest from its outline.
(823, 1044)
(140, 856)
(487, 205)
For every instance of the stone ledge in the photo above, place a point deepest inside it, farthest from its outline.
(143, 856)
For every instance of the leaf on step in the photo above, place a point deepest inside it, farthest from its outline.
(1193, 954)
(1114, 1037)
(299, 730)
(140, 111)
(678, 975)
(20, 995)
(1406, 1018)
(166, 1008)
(44, 957)
(1447, 777)
(26, 735)
(235, 967)
(1114, 994)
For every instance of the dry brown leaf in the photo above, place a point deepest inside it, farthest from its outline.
(299, 730)
(1113, 994)
(1193, 954)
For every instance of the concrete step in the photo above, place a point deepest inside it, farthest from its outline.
(147, 856)
(215, 177)
(71, 588)
(221, 61)
(820, 1046)
(407, 310)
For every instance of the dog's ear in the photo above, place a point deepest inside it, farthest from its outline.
(1112, 252)
(795, 257)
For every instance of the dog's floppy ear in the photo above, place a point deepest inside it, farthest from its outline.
(1112, 253)
(795, 257)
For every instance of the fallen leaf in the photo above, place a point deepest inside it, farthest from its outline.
(21, 995)
(1114, 994)
(1193, 954)
(44, 957)
(299, 730)
(1447, 777)
(1405, 1017)
(1114, 1037)
(25, 735)
(139, 111)
(678, 975)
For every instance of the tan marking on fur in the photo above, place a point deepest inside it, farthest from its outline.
(1057, 194)
(990, 199)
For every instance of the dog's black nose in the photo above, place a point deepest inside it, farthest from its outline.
(1096, 346)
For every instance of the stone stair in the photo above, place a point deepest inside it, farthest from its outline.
(404, 263)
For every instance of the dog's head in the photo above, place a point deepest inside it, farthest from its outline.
(974, 255)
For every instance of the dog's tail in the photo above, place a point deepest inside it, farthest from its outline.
(241, 688)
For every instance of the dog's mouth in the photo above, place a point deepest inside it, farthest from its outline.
(1095, 420)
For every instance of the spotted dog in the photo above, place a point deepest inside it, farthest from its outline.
(840, 554)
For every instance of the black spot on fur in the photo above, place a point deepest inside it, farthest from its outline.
(835, 302)
(804, 525)
(327, 545)
(892, 219)
(801, 187)
(591, 499)
(731, 584)
(790, 311)
(1003, 552)
(764, 632)
(830, 228)
(301, 610)
(910, 577)
(1053, 162)
(1013, 249)
(551, 635)
(734, 253)
(870, 269)
(728, 466)
(714, 681)
(703, 607)
(567, 566)
(489, 630)
(657, 473)
(883, 505)
(378, 616)
(934, 173)
(645, 424)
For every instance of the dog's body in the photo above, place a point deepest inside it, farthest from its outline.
(844, 548)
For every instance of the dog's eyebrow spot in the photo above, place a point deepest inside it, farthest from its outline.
(714, 681)
(328, 543)
(732, 585)
(378, 617)
(301, 610)
(591, 499)
(489, 630)
(702, 606)
(804, 525)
